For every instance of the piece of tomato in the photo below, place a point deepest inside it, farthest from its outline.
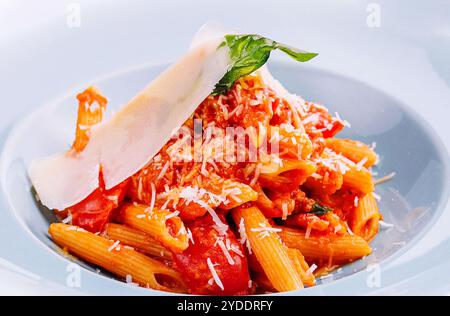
(95, 211)
(335, 127)
(324, 121)
(193, 262)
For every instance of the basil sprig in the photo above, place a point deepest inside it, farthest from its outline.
(248, 53)
(318, 209)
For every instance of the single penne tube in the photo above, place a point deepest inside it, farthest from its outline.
(265, 204)
(365, 218)
(161, 224)
(325, 181)
(237, 193)
(137, 239)
(354, 175)
(354, 150)
(110, 255)
(359, 178)
(301, 266)
(91, 108)
(268, 248)
(323, 247)
(287, 176)
(276, 167)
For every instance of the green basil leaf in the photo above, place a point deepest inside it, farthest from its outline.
(319, 210)
(249, 52)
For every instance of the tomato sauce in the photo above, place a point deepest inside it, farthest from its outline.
(192, 263)
(95, 211)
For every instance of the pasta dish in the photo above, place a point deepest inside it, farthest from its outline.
(213, 180)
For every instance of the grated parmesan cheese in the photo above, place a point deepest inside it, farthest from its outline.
(376, 196)
(221, 227)
(243, 234)
(337, 228)
(139, 193)
(225, 251)
(94, 107)
(346, 123)
(153, 200)
(113, 198)
(360, 164)
(311, 119)
(83, 127)
(235, 249)
(311, 269)
(115, 245)
(191, 238)
(68, 219)
(264, 231)
(348, 229)
(385, 178)
(166, 203)
(284, 209)
(173, 214)
(163, 171)
(308, 231)
(214, 273)
(78, 229)
(384, 225)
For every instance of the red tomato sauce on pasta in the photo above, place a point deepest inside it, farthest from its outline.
(192, 263)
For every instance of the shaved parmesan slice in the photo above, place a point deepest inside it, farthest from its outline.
(64, 179)
(124, 144)
(208, 31)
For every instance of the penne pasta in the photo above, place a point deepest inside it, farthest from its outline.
(268, 249)
(237, 193)
(279, 207)
(336, 170)
(276, 167)
(287, 176)
(122, 261)
(137, 239)
(301, 266)
(359, 179)
(162, 225)
(91, 108)
(354, 150)
(323, 247)
(365, 218)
